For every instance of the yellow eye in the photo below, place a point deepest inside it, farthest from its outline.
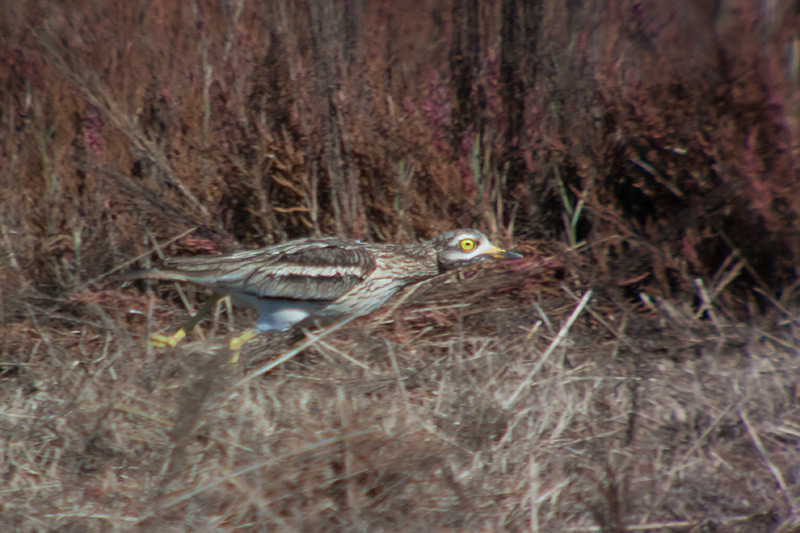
(467, 245)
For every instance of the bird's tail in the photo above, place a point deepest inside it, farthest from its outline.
(153, 273)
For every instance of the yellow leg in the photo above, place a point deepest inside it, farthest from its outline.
(162, 341)
(236, 343)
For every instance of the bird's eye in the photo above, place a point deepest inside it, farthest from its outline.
(467, 245)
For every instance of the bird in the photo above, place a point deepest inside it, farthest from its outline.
(315, 280)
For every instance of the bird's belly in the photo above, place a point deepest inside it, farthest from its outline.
(278, 314)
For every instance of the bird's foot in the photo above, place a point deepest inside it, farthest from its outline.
(236, 343)
(162, 341)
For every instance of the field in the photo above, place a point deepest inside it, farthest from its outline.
(637, 370)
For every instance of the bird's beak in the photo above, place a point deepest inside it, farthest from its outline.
(503, 254)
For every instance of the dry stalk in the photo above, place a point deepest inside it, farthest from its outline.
(562, 334)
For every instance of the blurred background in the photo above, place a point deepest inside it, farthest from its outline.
(664, 136)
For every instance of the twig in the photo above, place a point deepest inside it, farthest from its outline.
(707, 306)
(562, 334)
(776, 473)
(343, 355)
(398, 375)
(290, 354)
(133, 260)
(618, 334)
(12, 258)
(533, 476)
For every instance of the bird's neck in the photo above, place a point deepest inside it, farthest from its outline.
(419, 262)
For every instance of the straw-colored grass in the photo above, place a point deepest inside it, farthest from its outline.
(466, 405)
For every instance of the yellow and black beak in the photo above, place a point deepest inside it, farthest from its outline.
(499, 253)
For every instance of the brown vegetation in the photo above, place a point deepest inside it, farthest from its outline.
(641, 375)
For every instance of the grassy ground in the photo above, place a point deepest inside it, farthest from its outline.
(469, 405)
(636, 371)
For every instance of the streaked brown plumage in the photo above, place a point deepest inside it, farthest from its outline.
(311, 280)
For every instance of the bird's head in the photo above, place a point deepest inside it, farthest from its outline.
(466, 246)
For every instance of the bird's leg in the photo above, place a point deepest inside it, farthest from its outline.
(236, 343)
(162, 341)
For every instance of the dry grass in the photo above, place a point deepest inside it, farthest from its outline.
(659, 140)
(415, 421)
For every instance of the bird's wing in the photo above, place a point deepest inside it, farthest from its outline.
(319, 269)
